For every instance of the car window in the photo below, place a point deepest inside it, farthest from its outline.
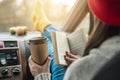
(18, 12)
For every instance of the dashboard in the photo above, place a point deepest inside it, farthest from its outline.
(14, 53)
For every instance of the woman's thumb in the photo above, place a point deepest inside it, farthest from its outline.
(47, 64)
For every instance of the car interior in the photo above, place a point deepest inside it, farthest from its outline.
(14, 49)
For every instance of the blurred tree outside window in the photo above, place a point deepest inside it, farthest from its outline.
(18, 12)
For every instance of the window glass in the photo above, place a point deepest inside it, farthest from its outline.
(18, 12)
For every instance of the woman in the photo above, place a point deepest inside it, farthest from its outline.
(103, 44)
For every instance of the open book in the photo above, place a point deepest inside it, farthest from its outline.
(74, 42)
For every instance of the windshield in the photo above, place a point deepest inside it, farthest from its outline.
(18, 12)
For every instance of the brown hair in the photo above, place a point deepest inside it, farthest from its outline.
(100, 33)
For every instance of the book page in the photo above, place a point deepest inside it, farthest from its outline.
(62, 46)
(77, 41)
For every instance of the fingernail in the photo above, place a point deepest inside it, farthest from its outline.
(66, 51)
(49, 55)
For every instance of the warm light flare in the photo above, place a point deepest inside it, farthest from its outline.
(67, 2)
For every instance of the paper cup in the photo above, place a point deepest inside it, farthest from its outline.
(39, 49)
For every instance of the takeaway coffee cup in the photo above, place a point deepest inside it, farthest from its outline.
(39, 49)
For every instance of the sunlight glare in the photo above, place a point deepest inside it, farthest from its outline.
(67, 2)
(18, 2)
(1, 0)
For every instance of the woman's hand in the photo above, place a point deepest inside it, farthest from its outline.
(36, 69)
(70, 57)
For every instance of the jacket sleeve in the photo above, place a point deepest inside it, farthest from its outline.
(85, 68)
(43, 76)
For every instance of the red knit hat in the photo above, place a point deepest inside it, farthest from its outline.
(107, 11)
